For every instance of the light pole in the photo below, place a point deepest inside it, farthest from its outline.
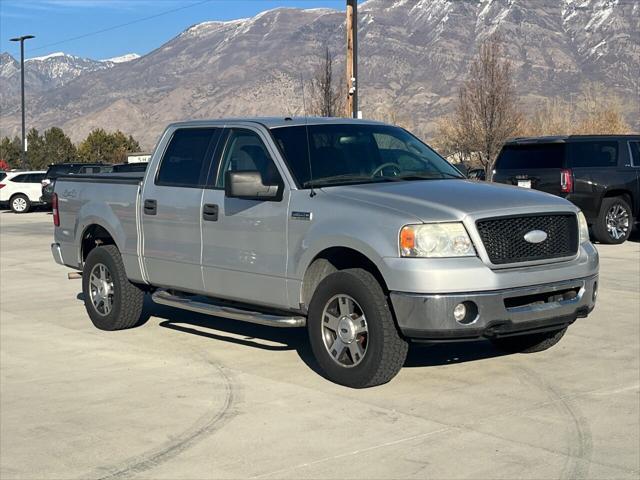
(23, 154)
(352, 58)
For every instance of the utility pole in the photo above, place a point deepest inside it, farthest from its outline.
(352, 58)
(23, 153)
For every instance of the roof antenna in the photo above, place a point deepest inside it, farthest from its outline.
(312, 193)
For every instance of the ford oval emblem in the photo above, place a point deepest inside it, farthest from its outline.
(535, 236)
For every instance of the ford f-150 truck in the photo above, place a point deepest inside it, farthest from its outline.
(356, 230)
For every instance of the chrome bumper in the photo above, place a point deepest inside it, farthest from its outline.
(495, 313)
(57, 253)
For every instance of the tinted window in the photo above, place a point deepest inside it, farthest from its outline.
(530, 156)
(358, 153)
(130, 167)
(20, 178)
(36, 177)
(246, 152)
(2, 176)
(593, 154)
(55, 171)
(634, 148)
(188, 157)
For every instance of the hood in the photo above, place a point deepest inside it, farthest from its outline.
(447, 200)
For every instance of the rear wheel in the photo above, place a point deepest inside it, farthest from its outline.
(613, 225)
(20, 203)
(534, 342)
(112, 302)
(352, 332)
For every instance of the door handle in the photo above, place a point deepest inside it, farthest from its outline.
(150, 207)
(210, 212)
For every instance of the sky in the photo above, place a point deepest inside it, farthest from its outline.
(149, 23)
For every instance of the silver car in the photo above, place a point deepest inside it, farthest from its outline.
(356, 230)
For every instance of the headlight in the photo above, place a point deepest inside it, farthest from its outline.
(583, 228)
(436, 240)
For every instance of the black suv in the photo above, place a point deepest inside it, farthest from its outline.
(57, 170)
(599, 173)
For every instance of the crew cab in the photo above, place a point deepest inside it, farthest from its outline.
(598, 173)
(356, 230)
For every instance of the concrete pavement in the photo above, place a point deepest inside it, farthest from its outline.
(193, 397)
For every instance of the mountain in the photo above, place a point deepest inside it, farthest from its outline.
(413, 56)
(46, 73)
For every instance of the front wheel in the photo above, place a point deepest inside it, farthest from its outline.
(531, 343)
(352, 332)
(112, 302)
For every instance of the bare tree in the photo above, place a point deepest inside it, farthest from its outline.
(594, 111)
(486, 112)
(325, 92)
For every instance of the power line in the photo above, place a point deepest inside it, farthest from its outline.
(126, 24)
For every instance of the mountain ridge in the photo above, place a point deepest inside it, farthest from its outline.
(413, 55)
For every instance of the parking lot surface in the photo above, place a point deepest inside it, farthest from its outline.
(189, 396)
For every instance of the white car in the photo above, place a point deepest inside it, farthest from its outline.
(21, 190)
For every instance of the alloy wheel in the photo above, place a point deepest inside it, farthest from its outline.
(19, 204)
(344, 330)
(101, 289)
(617, 220)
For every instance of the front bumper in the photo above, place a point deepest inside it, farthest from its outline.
(495, 313)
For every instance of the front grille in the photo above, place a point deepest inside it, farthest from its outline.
(504, 241)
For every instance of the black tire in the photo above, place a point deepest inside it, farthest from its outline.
(385, 351)
(19, 198)
(600, 230)
(127, 299)
(532, 343)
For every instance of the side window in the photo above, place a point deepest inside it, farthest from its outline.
(594, 154)
(244, 152)
(37, 177)
(19, 178)
(634, 149)
(188, 157)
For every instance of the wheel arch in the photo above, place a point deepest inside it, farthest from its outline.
(93, 235)
(336, 258)
(621, 192)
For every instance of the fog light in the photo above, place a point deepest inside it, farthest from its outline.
(459, 312)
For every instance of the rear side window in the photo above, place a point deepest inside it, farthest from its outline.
(188, 157)
(593, 154)
(634, 149)
(2, 176)
(530, 156)
(21, 178)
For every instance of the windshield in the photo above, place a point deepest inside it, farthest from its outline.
(358, 153)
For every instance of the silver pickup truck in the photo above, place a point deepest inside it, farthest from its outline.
(356, 230)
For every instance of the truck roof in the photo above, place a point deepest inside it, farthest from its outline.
(568, 138)
(275, 122)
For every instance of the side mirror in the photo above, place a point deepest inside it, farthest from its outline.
(248, 185)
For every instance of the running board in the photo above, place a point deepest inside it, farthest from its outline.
(163, 297)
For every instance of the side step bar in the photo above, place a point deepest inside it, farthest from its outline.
(163, 297)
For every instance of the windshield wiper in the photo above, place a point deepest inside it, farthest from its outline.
(348, 177)
(425, 176)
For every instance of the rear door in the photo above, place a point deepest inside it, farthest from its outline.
(171, 209)
(532, 165)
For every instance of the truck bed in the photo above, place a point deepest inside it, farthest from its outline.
(112, 200)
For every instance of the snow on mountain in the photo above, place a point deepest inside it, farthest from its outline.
(122, 59)
(413, 56)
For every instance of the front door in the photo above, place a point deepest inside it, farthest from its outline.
(171, 210)
(244, 251)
